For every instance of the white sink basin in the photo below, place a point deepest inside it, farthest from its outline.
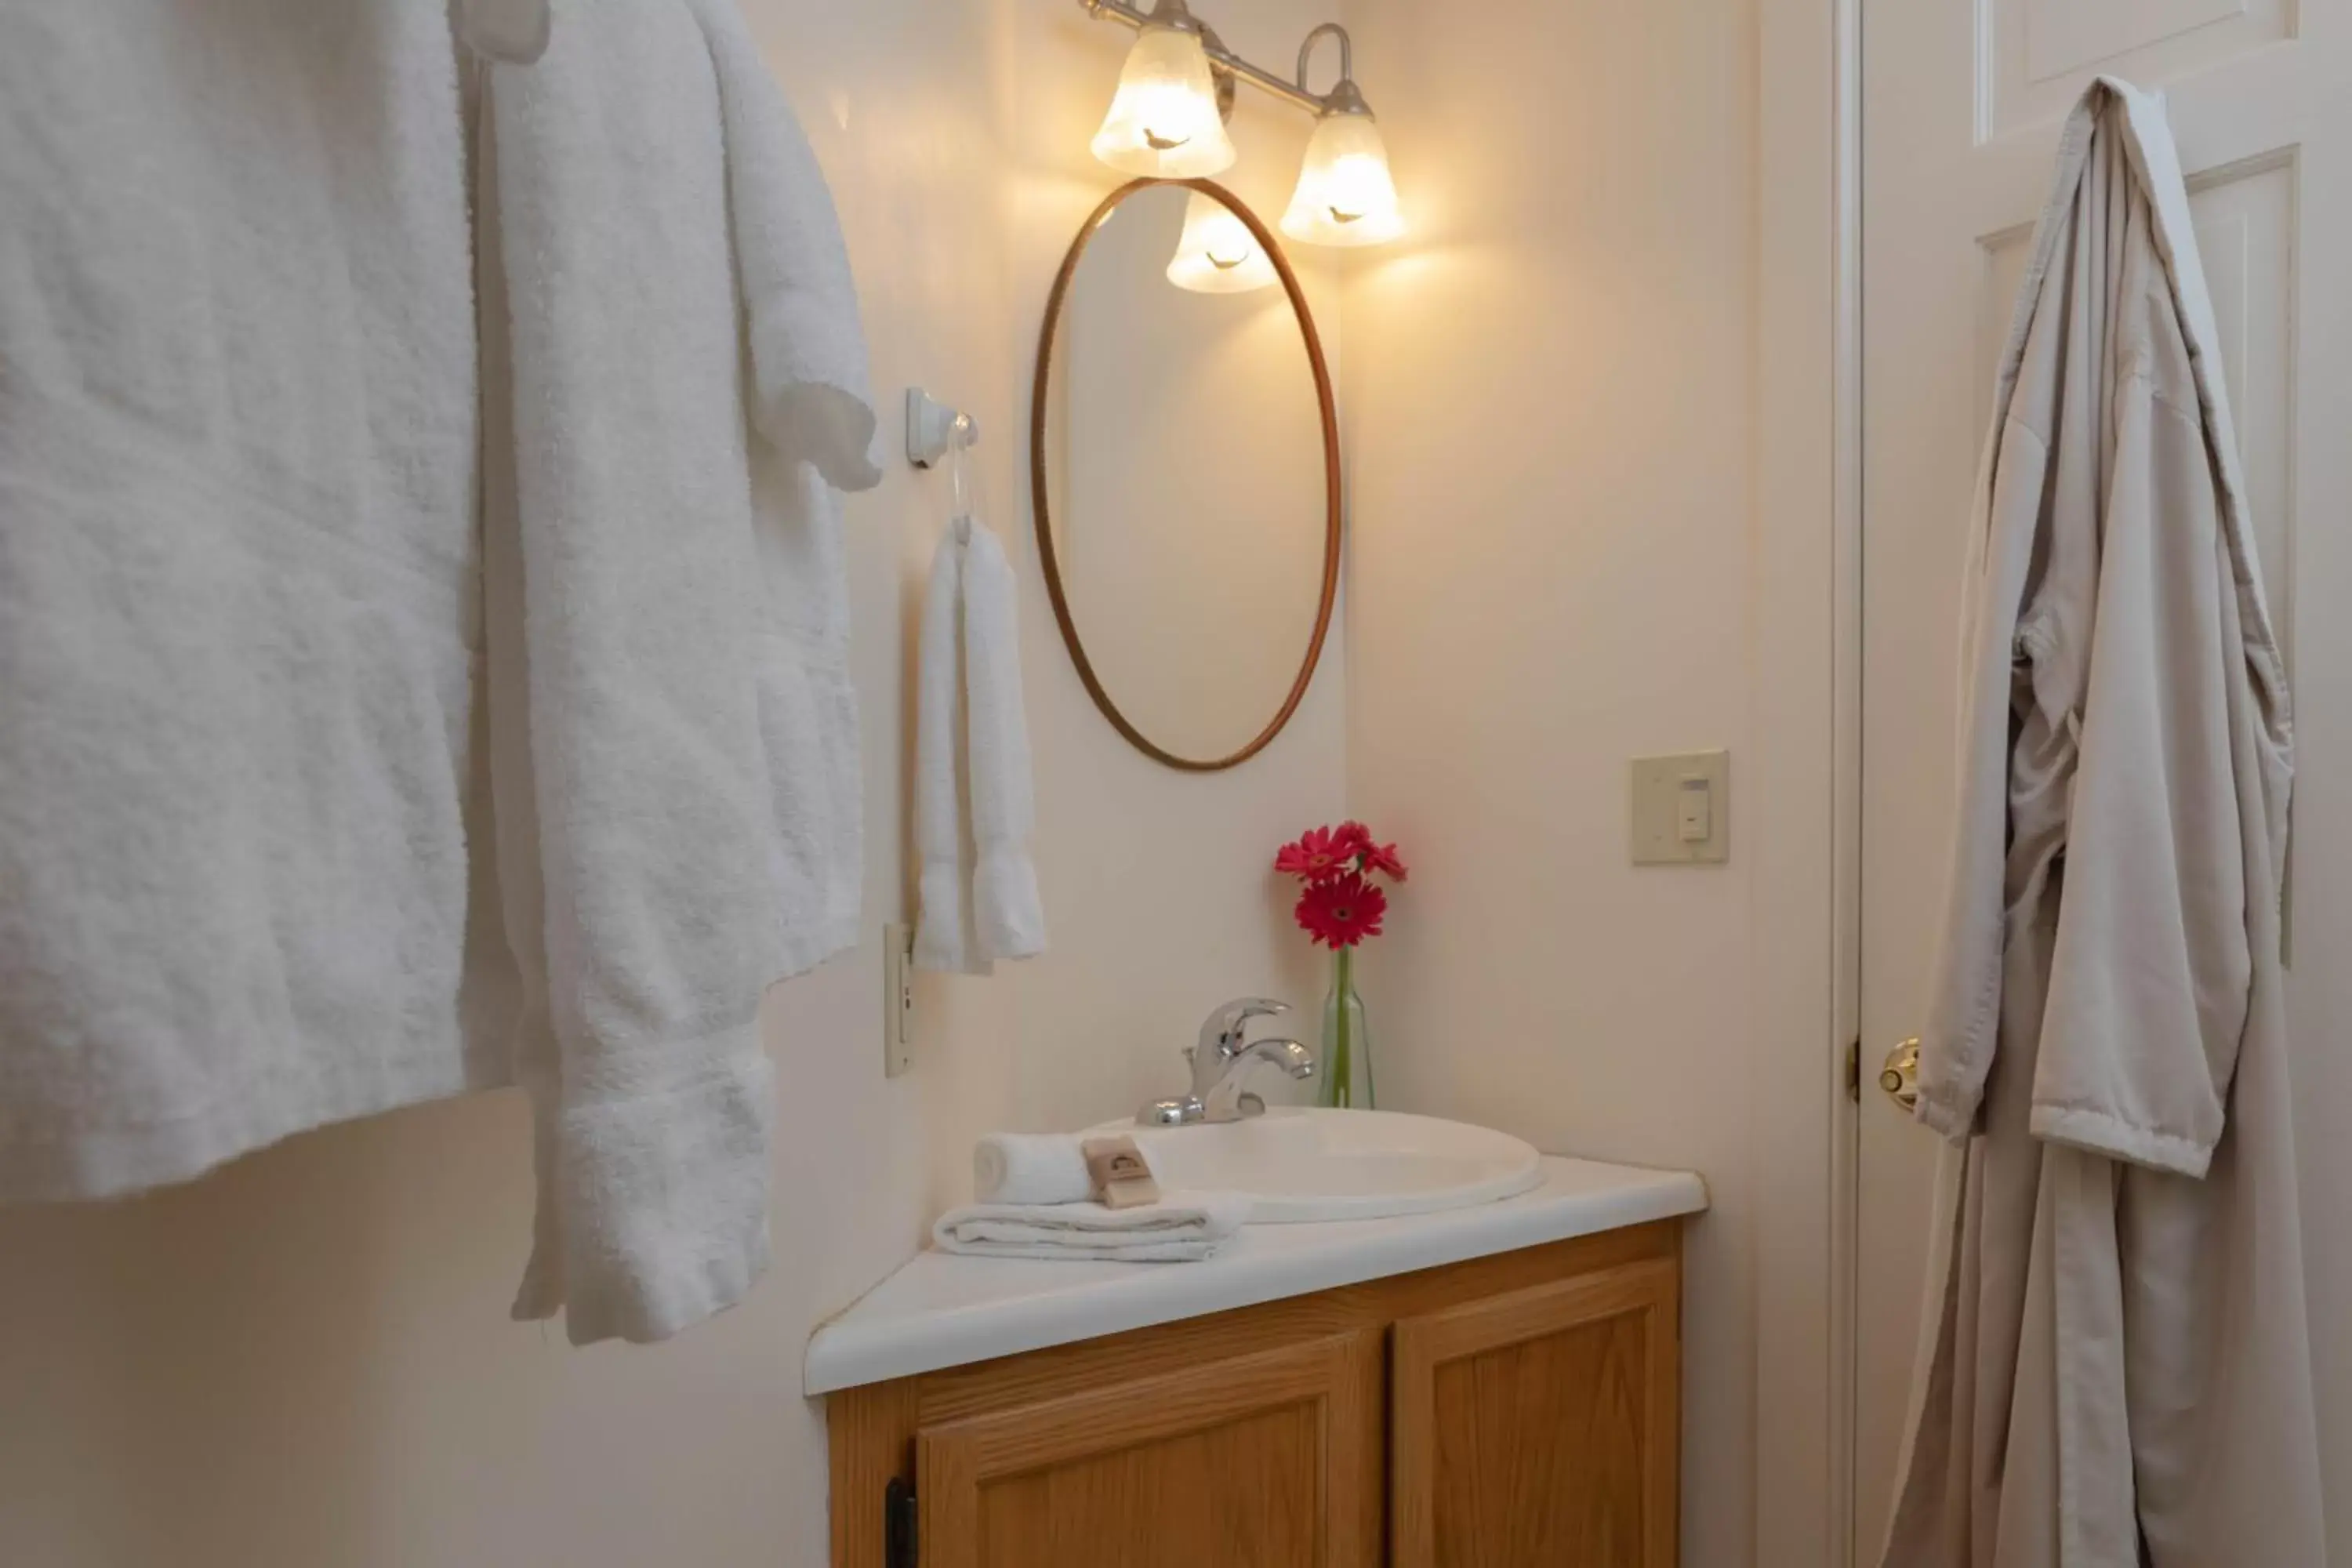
(1309, 1164)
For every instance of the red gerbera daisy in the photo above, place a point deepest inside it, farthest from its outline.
(1383, 858)
(1323, 851)
(1341, 912)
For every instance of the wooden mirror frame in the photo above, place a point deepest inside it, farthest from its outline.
(1331, 489)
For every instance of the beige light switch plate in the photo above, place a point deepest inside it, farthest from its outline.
(1682, 809)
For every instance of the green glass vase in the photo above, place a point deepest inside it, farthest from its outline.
(1344, 1071)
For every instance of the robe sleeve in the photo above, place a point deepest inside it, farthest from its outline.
(807, 347)
(1960, 1032)
(2151, 972)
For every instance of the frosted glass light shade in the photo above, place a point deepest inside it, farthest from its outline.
(1163, 121)
(1344, 195)
(1217, 254)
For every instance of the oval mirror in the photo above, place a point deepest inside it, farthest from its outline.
(1185, 464)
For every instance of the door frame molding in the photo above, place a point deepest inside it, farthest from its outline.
(1805, 985)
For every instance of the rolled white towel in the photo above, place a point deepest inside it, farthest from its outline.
(1031, 1168)
(1183, 1227)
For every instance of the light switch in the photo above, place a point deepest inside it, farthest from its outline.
(1682, 809)
(1693, 821)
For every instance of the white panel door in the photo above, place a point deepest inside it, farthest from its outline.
(1962, 103)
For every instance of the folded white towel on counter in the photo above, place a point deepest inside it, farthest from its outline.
(1031, 1168)
(675, 740)
(1181, 1227)
(970, 727)
(239, 579)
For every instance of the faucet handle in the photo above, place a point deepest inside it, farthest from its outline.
(1224, 1030)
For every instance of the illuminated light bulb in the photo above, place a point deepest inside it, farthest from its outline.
(1217, 254)
(1344, 195)
(1163, 121)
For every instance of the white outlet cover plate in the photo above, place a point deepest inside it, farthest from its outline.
(1658, 789)
(898, 999)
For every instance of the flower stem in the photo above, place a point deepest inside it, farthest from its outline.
(1343, 987)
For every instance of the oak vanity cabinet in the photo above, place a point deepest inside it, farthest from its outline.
(1513, 1411)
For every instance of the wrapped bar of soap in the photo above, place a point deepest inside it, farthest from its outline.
(1121, 1179)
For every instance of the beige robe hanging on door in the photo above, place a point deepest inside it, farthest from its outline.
(2116, 1359)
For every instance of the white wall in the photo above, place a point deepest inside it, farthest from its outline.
(304, 1360)
(1549, 418)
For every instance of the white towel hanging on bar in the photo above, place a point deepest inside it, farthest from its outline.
(971, 751)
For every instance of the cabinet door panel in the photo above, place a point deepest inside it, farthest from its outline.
(1265, 1460)
(1539, 1427)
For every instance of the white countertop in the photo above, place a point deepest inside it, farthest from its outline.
(943, 1309)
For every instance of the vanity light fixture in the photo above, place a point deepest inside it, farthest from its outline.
(1344, 195)
(1167, 120)
(1217, 254)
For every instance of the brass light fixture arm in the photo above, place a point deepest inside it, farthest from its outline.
(1223, 58)
(1343, 98)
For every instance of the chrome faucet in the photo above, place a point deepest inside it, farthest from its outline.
(1220, 1060)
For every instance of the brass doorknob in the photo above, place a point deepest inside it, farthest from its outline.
(1900, 1076)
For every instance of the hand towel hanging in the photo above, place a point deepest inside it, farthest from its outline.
(972, 743)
